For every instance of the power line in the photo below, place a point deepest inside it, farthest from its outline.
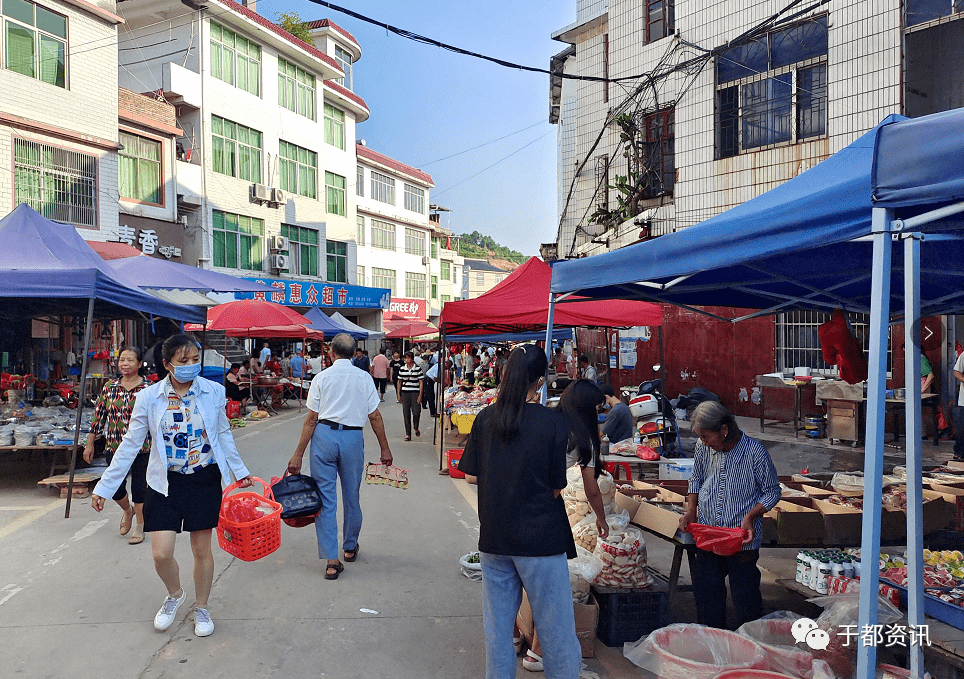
(439, 193)
(511, 134)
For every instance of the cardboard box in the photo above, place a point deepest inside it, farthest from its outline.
(842, 525)
(794, 523)
(652, 516)
(587, 619)
(955, 497)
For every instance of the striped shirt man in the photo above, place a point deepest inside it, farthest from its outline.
(730, 484)
(410, 378)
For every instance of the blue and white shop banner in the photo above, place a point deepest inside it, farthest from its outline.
(307, 293)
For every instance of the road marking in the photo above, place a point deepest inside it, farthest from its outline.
(27, 519)
(10, 590)
(88, 530)
(25, 508)
(467, 493)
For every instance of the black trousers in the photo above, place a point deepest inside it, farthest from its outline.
(411, 410)
(709, 587)
(428, 395)
(957, 416)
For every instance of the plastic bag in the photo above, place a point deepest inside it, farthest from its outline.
(585, 534)
(624, 558)
(717, 539)
(582, 573)
(774, 633)
(841, 610)
(685, 651)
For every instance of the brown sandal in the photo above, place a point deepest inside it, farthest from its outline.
(338, 568)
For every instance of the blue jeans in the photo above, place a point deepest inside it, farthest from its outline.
(334, 454)
(546, 581)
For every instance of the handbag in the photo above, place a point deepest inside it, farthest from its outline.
(299, 497)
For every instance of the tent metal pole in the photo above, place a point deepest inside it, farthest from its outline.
(441, 399)
(912, 434)
(552, 312)
(80, 407)
(874, 438)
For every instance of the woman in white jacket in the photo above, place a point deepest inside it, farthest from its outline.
(192, 449)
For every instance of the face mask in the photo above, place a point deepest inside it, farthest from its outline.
(186, 373)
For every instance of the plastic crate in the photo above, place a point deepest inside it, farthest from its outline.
(628, 614)
(452, 457)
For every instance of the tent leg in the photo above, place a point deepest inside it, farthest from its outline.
(438, 436)
(80, 407)
(552, 312)
(912, 434)
(874, 447)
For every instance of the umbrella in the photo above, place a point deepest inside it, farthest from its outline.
(279, 331)
(413, 330)
(245, 314)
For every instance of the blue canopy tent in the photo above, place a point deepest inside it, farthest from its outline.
(160, 274)
(47, 268)
(322, 321)
(351, 328)
(824, 240)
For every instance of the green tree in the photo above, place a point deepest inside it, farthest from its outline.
(291, 22)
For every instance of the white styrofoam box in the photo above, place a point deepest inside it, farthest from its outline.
(681, 469)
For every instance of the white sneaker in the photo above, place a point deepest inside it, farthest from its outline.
(165, 617)
(203, 625)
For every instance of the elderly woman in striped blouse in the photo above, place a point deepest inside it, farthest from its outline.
(734, 483)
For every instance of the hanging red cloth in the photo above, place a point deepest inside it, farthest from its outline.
(842, 349)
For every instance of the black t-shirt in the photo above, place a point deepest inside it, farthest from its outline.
(395, 364)
(518, 514)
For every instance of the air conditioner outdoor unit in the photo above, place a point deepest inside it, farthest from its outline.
(279, 262)
(260, 192)
(279, 243)
(278, 196)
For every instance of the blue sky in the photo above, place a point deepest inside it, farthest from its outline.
(428, 103)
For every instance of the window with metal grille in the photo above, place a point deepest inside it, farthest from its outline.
(383, 278)
(415, 285)
(238, 241)
(414, 199)
(602, 181)
(59, 184)
(335, 127)
(235, 59)
(299, 169)
(236, 150)
(480, 278)
(335, 185)
(659, 154)
(303, 252)
(660, 19)
(414, 241)
(337, 262)
(383, 187)
(139, 169)
(383, 235)
(296, 89)
(343, 57)
(798, 345)
(34, 41)
(773, 89)
(360, 235)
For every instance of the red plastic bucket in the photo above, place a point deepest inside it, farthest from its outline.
(752, 674)
(686, 653)
(783, 656)
(452, 458)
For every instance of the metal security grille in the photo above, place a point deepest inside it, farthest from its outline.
(59, 184)
(798, 345)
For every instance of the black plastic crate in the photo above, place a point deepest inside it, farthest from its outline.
(627, 614)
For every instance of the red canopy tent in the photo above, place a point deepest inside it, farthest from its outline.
(410, 330)
(520, 303)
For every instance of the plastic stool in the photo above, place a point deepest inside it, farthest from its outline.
(613, 468)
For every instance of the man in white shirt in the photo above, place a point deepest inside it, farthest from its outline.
(957, 412)
(588, 371)
(265, 353)
(340, 400)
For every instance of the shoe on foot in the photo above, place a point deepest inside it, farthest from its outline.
(532, 662)
(165, 617)
(203, 625)
(137, 535)
(126, 520)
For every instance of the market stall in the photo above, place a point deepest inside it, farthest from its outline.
(824, 240)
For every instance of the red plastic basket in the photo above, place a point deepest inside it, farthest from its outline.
(250, 540)
(453, 456)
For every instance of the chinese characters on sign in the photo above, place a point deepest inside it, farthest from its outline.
(148, 241)
(306, 293)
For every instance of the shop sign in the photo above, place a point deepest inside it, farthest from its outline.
(409, 309)
(309, 293)
(151, 240)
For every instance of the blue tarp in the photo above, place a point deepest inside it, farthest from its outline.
(321, 321)
(47, 267)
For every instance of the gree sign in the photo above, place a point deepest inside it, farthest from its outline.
(410, 309)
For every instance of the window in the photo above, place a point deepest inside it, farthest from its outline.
(360, 181)
(922, 11)
(797, 343)
(360, 235)
(334, 126)
(660, 19)
(337, 262)
(36, 42)
(139, 169)
(360, 275)
(602, 181)
(446, 298)
(773, 89)
(303, 252)
(414, 242)
(383, 235)
(59, 184)
(296, 89)
(383, 188)
(499, 277)
(434, 287)
(445, 271)
(335, 186)
(383, 278)
(415, 285)
(237, 150)
(480, 278)
(343, 57)
(414, 199)
(238, 241)
(235, 59)
(435, 248)
(299, 170)
(658, 176)
(605, 62)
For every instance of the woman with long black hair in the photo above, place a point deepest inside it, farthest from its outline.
(517, 455)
